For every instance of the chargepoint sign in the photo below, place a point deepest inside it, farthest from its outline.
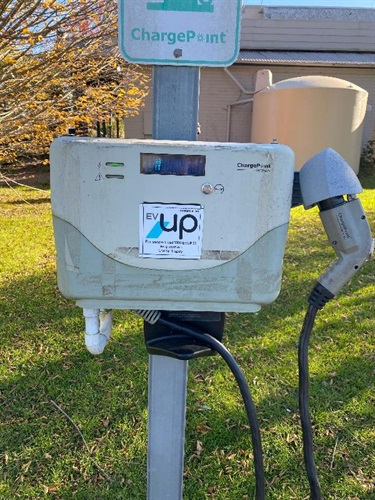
(180, 32)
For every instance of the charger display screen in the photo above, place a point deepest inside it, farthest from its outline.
(173, 164)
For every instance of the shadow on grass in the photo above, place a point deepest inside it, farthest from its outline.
(106, 396)
(44, 358)
(367, 178)
(30, 201)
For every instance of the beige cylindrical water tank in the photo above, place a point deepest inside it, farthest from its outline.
(309, 114)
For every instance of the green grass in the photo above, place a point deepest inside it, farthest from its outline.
(43, 358)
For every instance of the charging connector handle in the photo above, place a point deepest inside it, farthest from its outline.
(349, 233)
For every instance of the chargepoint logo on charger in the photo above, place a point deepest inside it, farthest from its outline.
(257, 167)
(171, 231)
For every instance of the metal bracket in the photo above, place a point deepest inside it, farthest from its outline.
(164, 341)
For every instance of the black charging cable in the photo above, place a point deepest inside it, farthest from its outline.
(317, 300)
(246, 396)
(304, 382)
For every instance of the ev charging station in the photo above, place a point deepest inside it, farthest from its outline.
(179, 226)
(170, 225)
(181, 230)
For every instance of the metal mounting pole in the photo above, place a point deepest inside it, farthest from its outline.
(175, 102)
(175, 117)
(166, 427)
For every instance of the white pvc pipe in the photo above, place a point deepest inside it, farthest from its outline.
(98, 329)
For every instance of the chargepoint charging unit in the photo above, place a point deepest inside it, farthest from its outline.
(182, 232)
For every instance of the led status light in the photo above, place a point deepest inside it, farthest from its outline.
(114, 164)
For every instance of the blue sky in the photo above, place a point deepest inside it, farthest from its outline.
(315, 3)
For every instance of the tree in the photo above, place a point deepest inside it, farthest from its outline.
(60, 68)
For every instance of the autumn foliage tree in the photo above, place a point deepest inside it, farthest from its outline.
(60, 68)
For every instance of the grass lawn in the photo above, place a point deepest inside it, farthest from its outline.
(43, 358)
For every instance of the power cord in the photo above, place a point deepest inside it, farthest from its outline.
(317, 300)
(304, 382)
(246, 396)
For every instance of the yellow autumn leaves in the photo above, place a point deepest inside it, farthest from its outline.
(60, 68)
